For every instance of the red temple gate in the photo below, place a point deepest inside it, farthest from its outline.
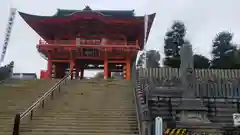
(89, 39)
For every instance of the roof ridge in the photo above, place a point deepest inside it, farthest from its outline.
(97, 10)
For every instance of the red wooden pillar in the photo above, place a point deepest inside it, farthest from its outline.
(49, 66)
(72, 64)
(128, 68)
(106, 68)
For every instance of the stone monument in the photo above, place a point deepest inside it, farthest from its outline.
(190, 109)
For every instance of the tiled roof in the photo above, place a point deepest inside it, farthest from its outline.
(109, 13)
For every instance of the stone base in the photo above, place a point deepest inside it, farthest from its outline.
(193, 117)
(192, 110)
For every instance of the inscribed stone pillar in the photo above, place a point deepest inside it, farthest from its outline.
(191, 109)
(186, 56)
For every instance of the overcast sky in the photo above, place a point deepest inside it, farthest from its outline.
(203, 18)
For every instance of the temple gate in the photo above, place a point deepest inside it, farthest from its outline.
(89, 39)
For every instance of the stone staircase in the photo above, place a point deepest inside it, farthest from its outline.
(88, 107)
(16, 96)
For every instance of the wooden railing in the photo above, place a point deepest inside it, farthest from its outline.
(41, 101)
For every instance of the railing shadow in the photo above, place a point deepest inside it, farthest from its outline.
(41, 101)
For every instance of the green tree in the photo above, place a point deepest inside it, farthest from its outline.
(6, 71)
(173, 41)
(224, 51)
(236, 59)
(140, 60)
(153, 58)
(201, 62)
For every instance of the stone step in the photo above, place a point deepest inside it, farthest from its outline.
(92, 110)
(79, 127)
(84, 107)
(102, 109)
(86, 119)
(66, 131)
(82, 124)
(82, 112)
(60, 133)
(133, 123)
(18, 97)
(86, 115)
(109, 115)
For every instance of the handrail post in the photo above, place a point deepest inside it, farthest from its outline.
(16, 124)
(59, 88)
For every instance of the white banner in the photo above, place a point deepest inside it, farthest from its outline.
(145, 39)
(145, 28)
(8, 33)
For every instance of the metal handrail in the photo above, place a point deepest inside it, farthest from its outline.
(19, 117)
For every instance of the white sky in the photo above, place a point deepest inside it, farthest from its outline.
(203, 18)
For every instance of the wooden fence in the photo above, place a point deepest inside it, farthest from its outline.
(169, 73)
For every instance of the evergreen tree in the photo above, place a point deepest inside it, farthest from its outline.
(224, 51)
(153, 58)
(6, 71)
(140, 60)
(173, 41)
(201, 62)
(236, 59)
